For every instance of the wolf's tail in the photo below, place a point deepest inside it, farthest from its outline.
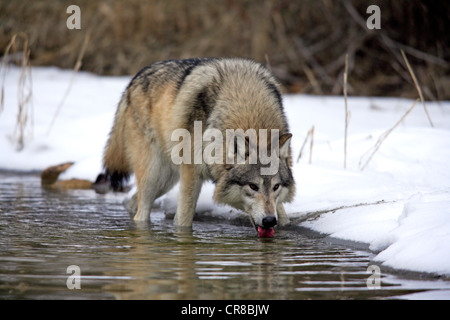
(115, 162)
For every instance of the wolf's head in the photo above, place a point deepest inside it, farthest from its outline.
(244, 187)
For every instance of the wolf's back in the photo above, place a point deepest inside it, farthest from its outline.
(142, 91)
(172, 94)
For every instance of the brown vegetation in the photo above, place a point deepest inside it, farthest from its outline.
(305, 42)
(49, 179)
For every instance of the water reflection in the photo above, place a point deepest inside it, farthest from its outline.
(43, 232)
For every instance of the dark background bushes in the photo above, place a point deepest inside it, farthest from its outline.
(304, 42)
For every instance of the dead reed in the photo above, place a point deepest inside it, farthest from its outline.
(310, 137)
(346, 110)
(416, 84)
(365, 159)
(76, 68)
(24, 120)
(371, 152)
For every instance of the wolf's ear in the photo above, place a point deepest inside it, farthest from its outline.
(284, 144)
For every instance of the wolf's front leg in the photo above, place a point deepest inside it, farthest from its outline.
(283, 219)
(190, 186)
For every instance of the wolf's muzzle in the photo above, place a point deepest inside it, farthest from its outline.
(269, 221)
(266, 230)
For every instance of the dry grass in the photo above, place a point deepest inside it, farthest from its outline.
(305, 41)
(310, 137)
(18, 48)
(76, 68)
(416, 84)
(347, 114)
(365, 159)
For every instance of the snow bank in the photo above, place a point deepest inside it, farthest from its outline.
(399, 205)
(421, 237)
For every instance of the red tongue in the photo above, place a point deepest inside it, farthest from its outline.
(265, 233)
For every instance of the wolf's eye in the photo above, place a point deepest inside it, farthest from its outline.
(253, 186)
(275, 187)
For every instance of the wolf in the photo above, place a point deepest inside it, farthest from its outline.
(216, 93)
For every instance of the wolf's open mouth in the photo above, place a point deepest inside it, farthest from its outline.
(265, 232)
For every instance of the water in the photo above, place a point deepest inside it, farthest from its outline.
(44, 232)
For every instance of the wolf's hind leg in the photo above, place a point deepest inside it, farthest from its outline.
(156, 179)
(190, 186)
(283, 219)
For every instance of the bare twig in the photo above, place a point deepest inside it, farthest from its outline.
(392, 43)
(316, 214)
(309, 135)
(416, 83)
(74, 73)
(383, 137)
(309, 57)
(346, 110)
(354, 14)
(414, 52)
(312, 79)
(394, 46)
(311, 144)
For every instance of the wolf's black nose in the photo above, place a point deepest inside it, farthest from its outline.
(269, 221)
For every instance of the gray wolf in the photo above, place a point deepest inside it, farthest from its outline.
(204, 94)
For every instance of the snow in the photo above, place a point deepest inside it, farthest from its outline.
(399, 204)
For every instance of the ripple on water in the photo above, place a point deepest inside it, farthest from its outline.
(43, 232)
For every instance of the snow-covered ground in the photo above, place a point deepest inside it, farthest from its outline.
(399, 204)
